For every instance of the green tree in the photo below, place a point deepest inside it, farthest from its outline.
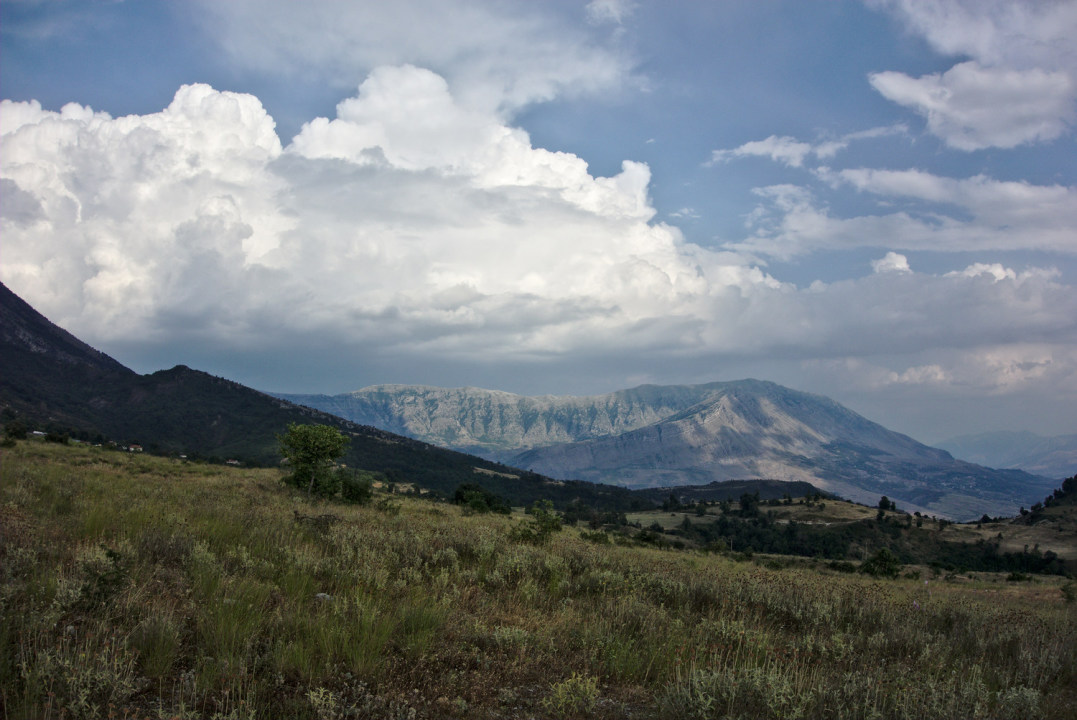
(883, 563)
(311, 450)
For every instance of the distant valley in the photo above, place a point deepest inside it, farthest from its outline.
(1054, 457)
(693, 434)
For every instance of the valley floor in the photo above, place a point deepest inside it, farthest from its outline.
(134, 586)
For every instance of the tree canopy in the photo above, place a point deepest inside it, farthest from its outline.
(311, 450)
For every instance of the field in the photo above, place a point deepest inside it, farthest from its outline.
(1059, 535)
(139, 587)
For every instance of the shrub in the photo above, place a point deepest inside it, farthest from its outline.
(573, 697)
(1069, 592)
(544, 523)
(355, 489)
(883, 563)
(1018, 702)
(599, 537)
(15, 430)
(478, 499)
(753, 692)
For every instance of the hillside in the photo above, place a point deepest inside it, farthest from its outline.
(53, 381)
(142, 586)
(656, 436)
(1053, 457)
(840, 531)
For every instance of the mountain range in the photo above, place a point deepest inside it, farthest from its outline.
(654, 436)
(595, 449)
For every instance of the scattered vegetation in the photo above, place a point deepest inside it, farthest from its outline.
(137, 586)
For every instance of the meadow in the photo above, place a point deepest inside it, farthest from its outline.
(134, 586)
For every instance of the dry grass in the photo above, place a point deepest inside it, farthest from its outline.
(139, 587)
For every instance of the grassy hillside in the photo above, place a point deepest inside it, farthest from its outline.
(1044, 541)
(137, 586)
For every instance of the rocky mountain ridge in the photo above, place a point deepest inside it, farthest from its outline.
(693, 434)
(500, 424)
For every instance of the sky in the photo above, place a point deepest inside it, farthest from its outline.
(871, 200)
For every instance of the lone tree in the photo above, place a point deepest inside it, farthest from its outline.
(311, 450)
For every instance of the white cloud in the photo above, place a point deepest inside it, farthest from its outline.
(977, 213)
(996, 32)
(1019, 84)
(993, 270)
(495, 57)
(786, 150)
(371, 234)
(1037, 215)
(971, 107)
(1008, 369)
(891, 262)
(792, 152)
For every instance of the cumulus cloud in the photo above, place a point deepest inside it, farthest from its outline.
(372, 233)
(1019, 84)
(495, 57)
(892, 262)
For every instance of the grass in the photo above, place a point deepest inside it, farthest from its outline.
(134, 586)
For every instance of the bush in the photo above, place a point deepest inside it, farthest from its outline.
(15, 430)
(355, 489)
(1069, 592)
(478, 499)
(599, 537)
(572, 698)
(740, 693)
(883, 563)
(544, 523)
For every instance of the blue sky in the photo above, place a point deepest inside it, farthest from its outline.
(876, 201)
